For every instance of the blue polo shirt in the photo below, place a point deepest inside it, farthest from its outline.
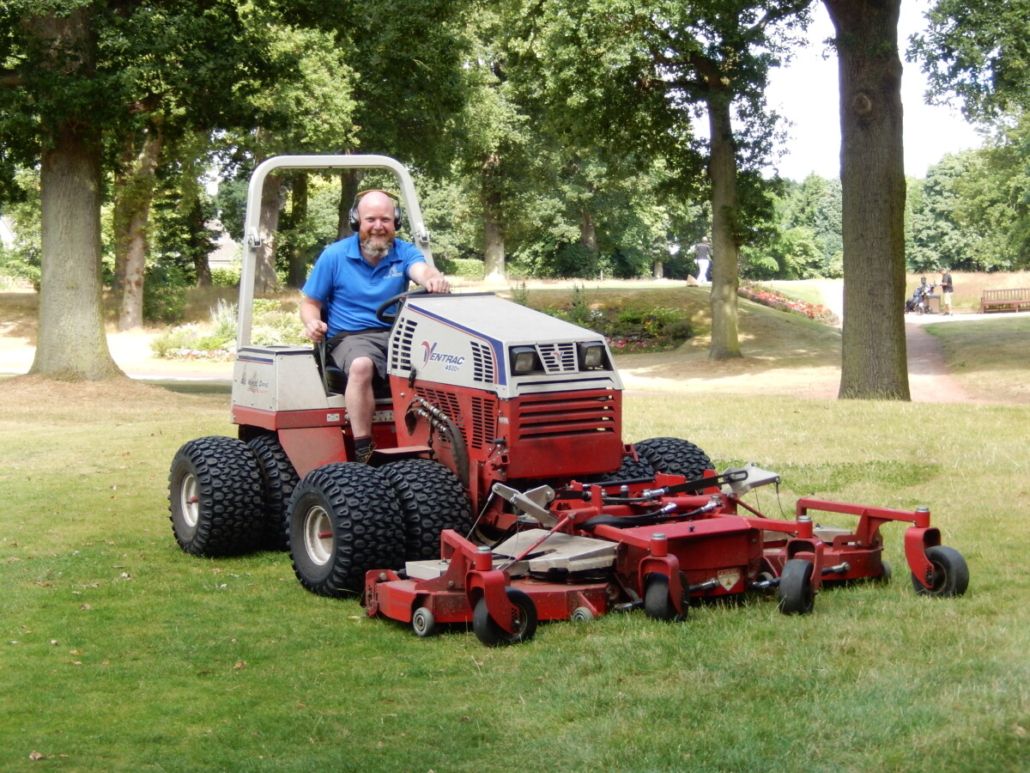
(352, 289)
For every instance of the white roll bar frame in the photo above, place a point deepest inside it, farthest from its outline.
(252, 221)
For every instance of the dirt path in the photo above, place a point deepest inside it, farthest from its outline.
(928, 378)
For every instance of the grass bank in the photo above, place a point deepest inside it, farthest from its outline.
(120, 653)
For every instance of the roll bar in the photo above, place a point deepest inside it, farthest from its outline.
(251, 227)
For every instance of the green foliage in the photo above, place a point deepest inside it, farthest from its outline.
(21, 259)
(164, 295)
(939, 237)
(978, 52)
(520, 294)
(271, 325)
(464, 268)
(629, 325)
(807, 240)
(225, 277)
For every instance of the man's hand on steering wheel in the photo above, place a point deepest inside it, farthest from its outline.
(438, 284)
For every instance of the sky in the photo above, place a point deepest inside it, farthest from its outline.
(806, 93)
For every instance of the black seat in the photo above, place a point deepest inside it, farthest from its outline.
(336, 380)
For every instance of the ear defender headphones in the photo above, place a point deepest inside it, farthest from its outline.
(353, 219)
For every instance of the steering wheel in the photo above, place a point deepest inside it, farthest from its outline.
(389, 319)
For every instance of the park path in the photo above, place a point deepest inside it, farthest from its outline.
(929, 380)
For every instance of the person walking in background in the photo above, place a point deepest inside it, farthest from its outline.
(946, 290)
(703, 258)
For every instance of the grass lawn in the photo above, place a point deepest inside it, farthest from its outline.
(120, 653)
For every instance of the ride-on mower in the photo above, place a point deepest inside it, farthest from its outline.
(502, 492)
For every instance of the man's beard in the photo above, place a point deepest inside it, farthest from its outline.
(375, 248)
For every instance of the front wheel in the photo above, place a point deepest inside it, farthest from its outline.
(524, 621)
(423, 623)
(344, 521)
(657, 601)
(796, 595)
(950, 573)
(674, 456)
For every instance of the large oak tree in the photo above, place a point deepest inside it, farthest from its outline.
(77, 69)
(874, 357)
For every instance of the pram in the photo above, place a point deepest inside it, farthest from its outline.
(920, 300)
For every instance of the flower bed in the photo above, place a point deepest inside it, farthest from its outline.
(772, 299)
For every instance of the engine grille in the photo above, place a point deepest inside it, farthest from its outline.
(558, 358)
(587, 413)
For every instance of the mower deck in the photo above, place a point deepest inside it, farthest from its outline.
(601, 552)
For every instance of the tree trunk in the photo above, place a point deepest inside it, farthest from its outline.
(658, 271)
(493, 237)
(349, 182)
(200, 244)
(873, 351)
(120, 220)
(265, 278)
(722, 170)
(71, 343)
(132, 209)
(298, 268)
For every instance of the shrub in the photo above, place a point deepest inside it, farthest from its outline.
(225, 277)
(270, 326)
(164, 295)
(465, 268)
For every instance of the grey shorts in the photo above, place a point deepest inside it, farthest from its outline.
(362, 343)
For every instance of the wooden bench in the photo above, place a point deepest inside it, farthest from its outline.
(1005, 300)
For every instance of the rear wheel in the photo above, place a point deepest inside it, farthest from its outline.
(214, 496)
(344, 521)
(524, 621)
(674, 456)
(279, 479)
(950, 573)
(795, 594)
(431, 499)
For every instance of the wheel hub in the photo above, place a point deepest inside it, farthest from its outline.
(318, 536)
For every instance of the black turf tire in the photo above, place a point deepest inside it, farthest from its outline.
(280, 479)
(674, 456)
(631, 469)
(214, 496)
(344, 521)
(431, 499)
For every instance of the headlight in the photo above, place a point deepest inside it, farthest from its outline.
(524, 360)
(591, 356)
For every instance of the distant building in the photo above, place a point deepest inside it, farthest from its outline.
(6, 232)
(226, 252)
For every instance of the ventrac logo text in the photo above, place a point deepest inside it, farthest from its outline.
(449, 361)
